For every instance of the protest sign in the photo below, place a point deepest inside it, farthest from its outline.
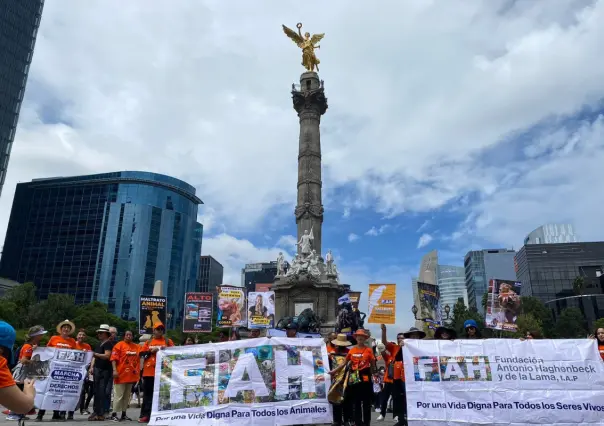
(503, 305)
(152, 310)
(261, 309)
(275, 381)
(382, 304)
(429, 305)
(274, 332)
(232, 310)
(198, 313)
(59, 375)
(504, 382)
(355, 298)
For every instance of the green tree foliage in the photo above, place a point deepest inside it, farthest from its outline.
(485, 298)
(461, 313)
(579, 285)
(23, 297)
(571, 324)
(534, 307)
(528, 323)
(597, 324)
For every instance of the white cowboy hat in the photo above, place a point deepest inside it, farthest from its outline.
(104, 328)
(66, 322)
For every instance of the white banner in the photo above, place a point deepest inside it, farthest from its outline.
(504, 382)
(59, 375)
(276, 381)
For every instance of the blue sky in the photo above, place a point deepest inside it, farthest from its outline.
(452, 125)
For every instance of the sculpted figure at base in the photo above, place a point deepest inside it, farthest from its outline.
(308, 44)
(329, 263)
(280, 264)
(313, 265)
(305, 243)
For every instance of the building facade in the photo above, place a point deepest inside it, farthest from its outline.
(548, 272)
(19, 22)
(481, 266)
(452, 286)
(106, 237)
(210, 274)
(258, 273)
(552, 234)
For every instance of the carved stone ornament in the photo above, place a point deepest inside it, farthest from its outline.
(309, 101)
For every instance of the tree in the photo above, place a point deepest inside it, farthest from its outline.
(598, 324)
(485, 298)
(571, 324)
(533, 306)
(461, 313)
(23, 297)
(50, 312)
(527, 323)
(579, 285)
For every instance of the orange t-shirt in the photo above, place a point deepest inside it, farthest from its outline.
(83, 347)
(360, 358)
(601, 349)
(127, 361)
(27, 351)
(60, 342)
(399, 368)
(6, 377)
(149, 365)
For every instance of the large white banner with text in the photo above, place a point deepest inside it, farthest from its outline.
(504, 382)
(59, 375)
(276, 381)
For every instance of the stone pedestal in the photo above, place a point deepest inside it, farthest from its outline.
(294, 294)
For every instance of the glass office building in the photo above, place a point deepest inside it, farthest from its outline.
(210, 274)
(452, 286)
(106, 237)
(258, 273)
(548, 271)
(483, 265)
(19, 22)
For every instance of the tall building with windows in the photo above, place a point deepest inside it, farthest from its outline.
(210, 274)
(452, 286)
(552, 234)
(19, 22)
(482, 265)
(258, 273)
(106, 237)
(549, 272)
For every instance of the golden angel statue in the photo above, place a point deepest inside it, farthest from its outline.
(308, 44)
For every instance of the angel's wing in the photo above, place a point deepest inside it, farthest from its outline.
(292, 34)
(317, 38)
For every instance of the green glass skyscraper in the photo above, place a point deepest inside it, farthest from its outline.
(19, 22)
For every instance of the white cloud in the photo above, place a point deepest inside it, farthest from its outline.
(352, 237)
(287, 241)
(346, 213)
(423, 226)
(424, 240)
(374, 232)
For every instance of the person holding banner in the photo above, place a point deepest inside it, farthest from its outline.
(11, 396)
(394, 376)
(471, 328)
(444, 333)
(361, 363)
(599, 336)
(149, 353)
(337, 350)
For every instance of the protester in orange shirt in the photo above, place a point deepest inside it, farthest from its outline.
(11, 396)
(64, 341)
(361, 361)
(599, 336)
(81, 344)
(125, 359)
(149, 351)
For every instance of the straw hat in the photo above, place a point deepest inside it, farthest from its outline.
(104, 328)
(66, 322)
(341, 340)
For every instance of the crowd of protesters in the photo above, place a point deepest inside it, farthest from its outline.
(122, 369)
(358, 386)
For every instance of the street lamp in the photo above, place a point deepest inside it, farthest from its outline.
(414, 310)
(447, 311)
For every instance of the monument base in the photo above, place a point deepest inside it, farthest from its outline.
(295, 293)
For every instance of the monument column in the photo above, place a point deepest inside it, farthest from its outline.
(310, 103)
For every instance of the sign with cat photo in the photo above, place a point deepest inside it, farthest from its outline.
(151, 312)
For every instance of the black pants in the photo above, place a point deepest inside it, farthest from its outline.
(341, 412)
(361, 398)
(101, 377)
(86, 395)
(55, 414)
(399, 402)
(378, 400)
(148, 384)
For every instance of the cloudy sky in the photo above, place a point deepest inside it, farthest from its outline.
(451, 124)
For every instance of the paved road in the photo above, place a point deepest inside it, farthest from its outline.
(133, 412)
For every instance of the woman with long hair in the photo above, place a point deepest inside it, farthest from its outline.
(471, 328)
(599, 336)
